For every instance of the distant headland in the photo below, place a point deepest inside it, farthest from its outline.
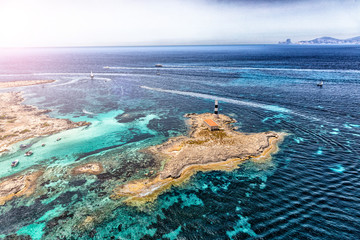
(325, 40)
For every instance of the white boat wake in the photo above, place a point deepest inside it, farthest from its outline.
(222, 99)
(294, 69)
(87, 112)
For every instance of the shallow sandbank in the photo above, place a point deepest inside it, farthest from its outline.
(10, 84)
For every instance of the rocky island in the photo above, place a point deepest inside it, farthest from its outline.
(19, 122)
(205, 149)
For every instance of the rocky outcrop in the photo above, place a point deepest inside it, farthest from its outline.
(202, 150)
(18, 185)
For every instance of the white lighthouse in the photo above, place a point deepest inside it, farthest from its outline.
(216, 110)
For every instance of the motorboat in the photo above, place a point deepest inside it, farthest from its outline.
(29, 153)
(15, 163)
(23, 146)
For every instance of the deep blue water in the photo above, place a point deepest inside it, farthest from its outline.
(309, 190)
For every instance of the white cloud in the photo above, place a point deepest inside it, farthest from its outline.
(143, 22)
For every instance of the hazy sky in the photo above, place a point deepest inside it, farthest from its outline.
(157, 22)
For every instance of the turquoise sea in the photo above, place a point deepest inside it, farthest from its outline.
(310, 189)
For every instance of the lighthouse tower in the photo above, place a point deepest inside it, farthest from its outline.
(216, 110)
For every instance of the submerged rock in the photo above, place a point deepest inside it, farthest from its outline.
(17, 237)
(88, 168)
(129, 117)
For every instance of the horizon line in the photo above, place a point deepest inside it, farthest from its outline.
(171, 45)
(155, 45)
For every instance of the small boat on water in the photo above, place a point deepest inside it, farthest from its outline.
(15, 163)
(158, 65)
(43, 145)
(91, 75)
(23, 146)
(29, 153)
(320, 84)
(58, 139)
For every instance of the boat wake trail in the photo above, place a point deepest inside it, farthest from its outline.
(105, 79)
(269, 107)
(144, 68)
(67, 83)
(227, 100)
(87, 112)
(297, 69)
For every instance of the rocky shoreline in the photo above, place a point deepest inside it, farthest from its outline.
(18, 185)
(19, 122)
(201, 150)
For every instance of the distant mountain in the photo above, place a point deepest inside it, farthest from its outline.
(330, 40)
(354, 39)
